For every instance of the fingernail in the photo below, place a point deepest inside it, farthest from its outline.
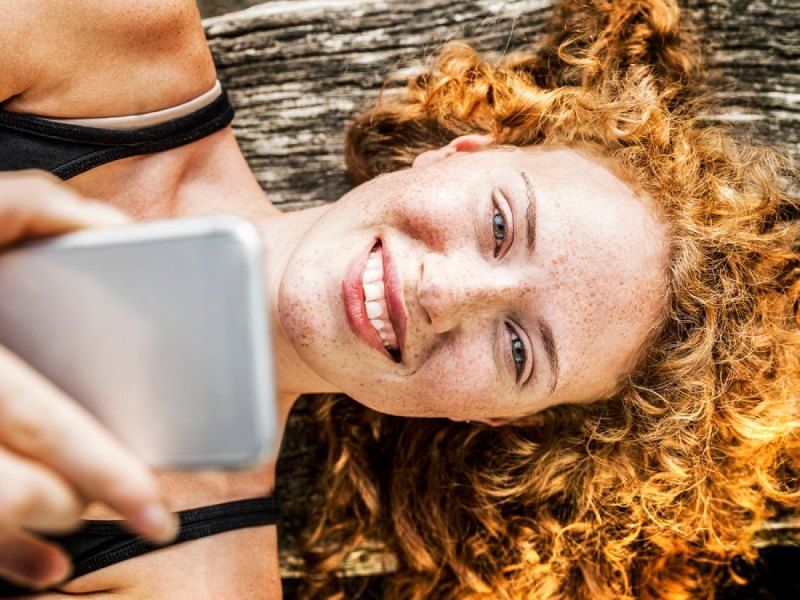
(157, 523)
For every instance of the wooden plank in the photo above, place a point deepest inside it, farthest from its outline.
(297, 70)
(372, 558)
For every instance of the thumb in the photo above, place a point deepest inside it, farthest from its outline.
(35, 204)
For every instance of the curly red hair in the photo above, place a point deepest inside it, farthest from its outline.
(655, 492)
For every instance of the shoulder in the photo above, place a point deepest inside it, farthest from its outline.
(145, 26)
(103, 57)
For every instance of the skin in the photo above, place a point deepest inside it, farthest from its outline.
(57, 465)
(596, 277)
(596, 274)
(95, 42)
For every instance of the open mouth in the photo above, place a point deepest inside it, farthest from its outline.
(372, 298)
(376, 307)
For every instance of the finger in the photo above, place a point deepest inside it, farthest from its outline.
(35, 204)
(38, 499)
(30, 562)
(42, 423)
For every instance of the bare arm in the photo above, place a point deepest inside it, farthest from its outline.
(94, 58)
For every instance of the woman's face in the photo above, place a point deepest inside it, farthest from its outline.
(503, 282)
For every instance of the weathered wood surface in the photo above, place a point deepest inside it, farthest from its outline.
(297, 70)
(213, 8)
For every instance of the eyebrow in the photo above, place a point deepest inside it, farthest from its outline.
(550, 350)
(530, 214)
(530, 241)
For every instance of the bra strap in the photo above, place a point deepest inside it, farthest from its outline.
(115, 543)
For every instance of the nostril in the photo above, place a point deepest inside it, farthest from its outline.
(421, 291)
(422, 304)
(428, 320)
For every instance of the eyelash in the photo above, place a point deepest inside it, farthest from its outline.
(499, 225)
(499, 215)
(517, 344)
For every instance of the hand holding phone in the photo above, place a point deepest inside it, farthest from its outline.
(159, 329)
(55, 457)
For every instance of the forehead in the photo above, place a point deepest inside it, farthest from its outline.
(599, 267)
(592, 214)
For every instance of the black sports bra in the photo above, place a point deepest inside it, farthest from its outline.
(99, 544)
(66, 149)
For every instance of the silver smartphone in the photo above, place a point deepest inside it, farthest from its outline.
(160, 329)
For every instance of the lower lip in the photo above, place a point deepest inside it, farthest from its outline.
(353, 299)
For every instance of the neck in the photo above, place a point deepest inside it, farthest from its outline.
(212, 177)
(232, 188)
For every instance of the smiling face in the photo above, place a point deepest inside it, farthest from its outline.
(503, 281)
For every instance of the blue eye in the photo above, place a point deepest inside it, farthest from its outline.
(517, 352)
(498, 228)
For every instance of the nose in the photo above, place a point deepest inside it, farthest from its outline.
(451, 290)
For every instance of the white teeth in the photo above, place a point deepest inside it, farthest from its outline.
(384, 329)
(373, 275)
(376, 309)
(373, 291)
(390, 339)
(375, 299)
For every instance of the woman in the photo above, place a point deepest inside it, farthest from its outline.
(568, 234)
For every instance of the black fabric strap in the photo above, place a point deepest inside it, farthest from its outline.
(67, 150)
(99, 544)
(195, 524)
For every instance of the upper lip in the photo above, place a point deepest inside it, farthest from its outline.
(393, 288)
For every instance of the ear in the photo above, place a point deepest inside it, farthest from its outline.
(463, 143)
(527, 421)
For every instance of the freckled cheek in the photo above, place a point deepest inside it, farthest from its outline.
(305, 310)
(435, 230)
(431, 221)
(460, 387)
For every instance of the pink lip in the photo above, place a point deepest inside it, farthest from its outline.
(353, 299)
(393, 287)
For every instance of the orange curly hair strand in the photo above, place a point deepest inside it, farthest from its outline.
(657, 491)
